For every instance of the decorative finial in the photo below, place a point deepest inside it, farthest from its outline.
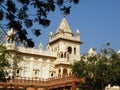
(64, 15)
(77, 33)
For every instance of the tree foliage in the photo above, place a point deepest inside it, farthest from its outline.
(99, 70)
(22, 15)
(4, 63)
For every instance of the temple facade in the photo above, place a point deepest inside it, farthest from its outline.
(38, 69)
(62, 50)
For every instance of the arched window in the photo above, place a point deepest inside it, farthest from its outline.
(35, 72)
(18, 71)
(74, 50)
(52, 74)
(61, 55)
(59, 72)
(69, 50)
(65, 55)
(65, 72)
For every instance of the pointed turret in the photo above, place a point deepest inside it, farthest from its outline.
(64, 28)
(65, 33)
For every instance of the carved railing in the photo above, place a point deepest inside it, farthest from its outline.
(56, 82)
(62, 79)
(45, 82)
(37, 51)
(12, 46)
(24, 80)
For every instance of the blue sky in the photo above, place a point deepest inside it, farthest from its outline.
(97, 20)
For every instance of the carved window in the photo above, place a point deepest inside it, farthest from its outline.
(17, 71)
(74, 50)
(65, 72)
(59, 72)
(36, 72)
(61, 55)
(69, 50)
(52, 74)
(64, 55)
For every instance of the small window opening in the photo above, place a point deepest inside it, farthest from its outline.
(62, 55)
(74, 50)
(18, 71)
(69, 50)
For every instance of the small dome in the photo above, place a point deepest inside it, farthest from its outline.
(118, 52)
(40, 46)
(92, 51)
(77, 31)
(51, 33)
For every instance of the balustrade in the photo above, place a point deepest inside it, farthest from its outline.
(37, 51)
(41, 81)
(56, 82)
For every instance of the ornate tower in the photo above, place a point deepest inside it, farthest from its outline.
(66, 44)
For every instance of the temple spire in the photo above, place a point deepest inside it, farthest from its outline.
(64, 27)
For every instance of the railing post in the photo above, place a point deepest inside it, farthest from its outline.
(73, 87)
